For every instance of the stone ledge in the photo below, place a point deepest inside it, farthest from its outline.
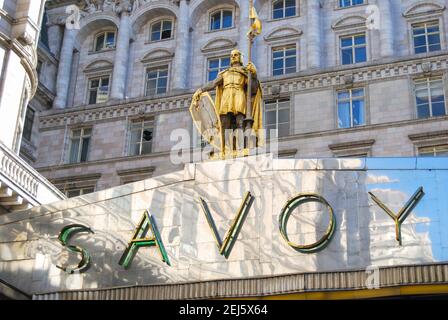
(434, 274)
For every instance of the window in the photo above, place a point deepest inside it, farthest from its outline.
(141, 137)
(222, 19)
(436, 151)
(351, 108)
(79, 192)
(28, 127)
(277, 116)
(105, 40)
(283, 8)
(156, 80)
(350, 3)
(430, 98)
(162, 30)
(39, 67)
(98, 90)
(79, 145)
(216, 65)
(353, 49)
(284, 60)
(426, 37)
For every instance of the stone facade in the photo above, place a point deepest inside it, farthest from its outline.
(387, 76)
(20, 185)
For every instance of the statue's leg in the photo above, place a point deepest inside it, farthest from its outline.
(226, 129)
(239, 132)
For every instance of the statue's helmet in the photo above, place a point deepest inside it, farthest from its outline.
(236, 54)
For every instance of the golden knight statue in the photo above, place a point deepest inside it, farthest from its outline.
(231, 105)
(234, 122)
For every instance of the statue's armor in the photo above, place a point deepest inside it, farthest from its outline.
(234, 96)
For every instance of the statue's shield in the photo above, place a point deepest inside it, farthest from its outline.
(207, 120)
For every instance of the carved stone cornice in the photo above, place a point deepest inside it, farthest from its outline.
(286, 85)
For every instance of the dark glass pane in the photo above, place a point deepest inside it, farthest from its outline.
(157, 26)
(290, 12)
(215, 22)
(433, 29)
(438, 109)
(283, 130)
(146, 147)
(99, 43)
(110, 41)
(167, 25)
(419, 41)
(277, 14)
(423, 111)
(166, 34)
(434, 39)
(213, 64)
(85, 149)
(271, 118)
(360, 40)
(212, 75)
(104, 82)
(283, 116)
(278, 54)
(344, 115)
(420, 50)
(436, 47)
(163, 73)
(92, 97)
(290, 62)
(227, 19)
(155, 36)
(346, 42)
(225, 62)
(361, 54)
(358, 113)
(347, 56)
(95, 83)
(290, 52)
(277, 72)
(278, 5)
(419, 30)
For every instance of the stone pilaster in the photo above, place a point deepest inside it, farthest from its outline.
(386, 29)
(314, 34)
(121, 58)
(64, 69)
(244, 25)
(182, 47)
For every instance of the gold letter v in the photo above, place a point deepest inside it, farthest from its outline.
(232, 234)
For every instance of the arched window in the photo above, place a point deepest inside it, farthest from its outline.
(221, 19)
(283, 8)
(162, 30)
(105, 40)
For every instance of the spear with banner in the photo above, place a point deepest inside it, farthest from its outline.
(255, 30)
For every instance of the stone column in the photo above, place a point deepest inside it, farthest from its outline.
(244, 26)
(386, 28)
(180, 73)
(313, 34)
(121, 58)
(64, 69)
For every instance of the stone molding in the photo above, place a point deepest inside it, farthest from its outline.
(291, 84)
(413, 275)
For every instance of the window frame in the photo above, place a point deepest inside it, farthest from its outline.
(24, 133)
(162, 20)
(82, 136)
(338, 4)
(220, 57)
(277, 100)
(296, 13)
(352, 36)
(444, 148)
(366, 114)
(284, 47)
(445, 93)
(221, 9)
(158, 67)
(89, 88)
(104, 47)
(130, 143)
(426, 23)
